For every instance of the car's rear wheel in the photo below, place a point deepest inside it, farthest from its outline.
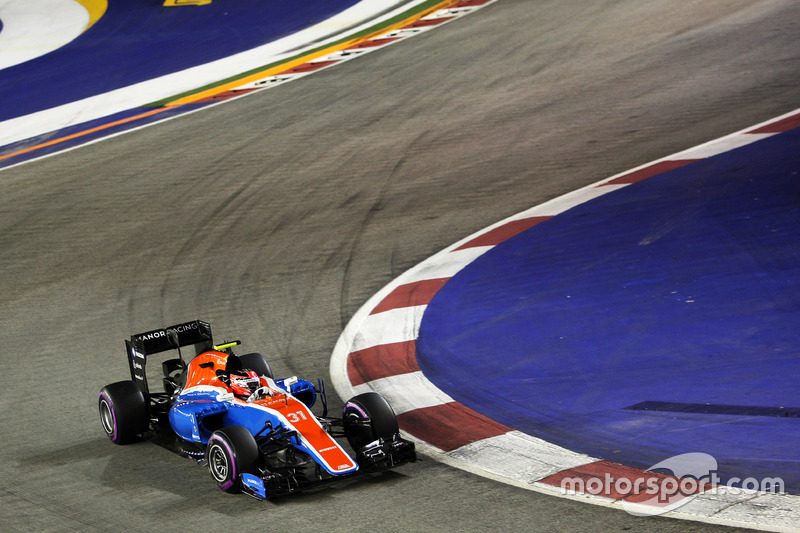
(123, 412)
(231, 451)
(367, 418)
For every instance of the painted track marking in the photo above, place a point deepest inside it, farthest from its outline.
(36, 27)
(293, 69)
(377, 351)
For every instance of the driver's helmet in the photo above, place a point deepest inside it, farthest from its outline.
(244, 382)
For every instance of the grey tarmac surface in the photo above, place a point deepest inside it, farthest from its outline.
(274, 217)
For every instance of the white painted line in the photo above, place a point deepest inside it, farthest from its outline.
(357, 18)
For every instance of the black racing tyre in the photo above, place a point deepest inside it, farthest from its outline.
(258, 363)
(368, 417)
(231, 451)
(123, 412)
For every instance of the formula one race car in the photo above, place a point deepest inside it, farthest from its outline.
(256, 434)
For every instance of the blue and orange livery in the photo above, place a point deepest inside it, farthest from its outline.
(255, 433)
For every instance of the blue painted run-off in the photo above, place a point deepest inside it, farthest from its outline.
(138, 40)
(683, 288)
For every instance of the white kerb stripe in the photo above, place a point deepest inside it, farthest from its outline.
(719, 146)
(395, 325)
(406, 392)
(446, 266)
(518, 456)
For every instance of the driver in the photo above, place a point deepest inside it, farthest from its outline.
(244, 383)
(225, 370)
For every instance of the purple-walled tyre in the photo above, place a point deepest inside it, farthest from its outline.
(123, 412)
(367, 418)
(231, 451)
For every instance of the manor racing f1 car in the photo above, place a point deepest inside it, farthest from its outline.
(255, 433)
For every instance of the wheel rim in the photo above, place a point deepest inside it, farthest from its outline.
(218, 464)
(107, 417)
(359, 430)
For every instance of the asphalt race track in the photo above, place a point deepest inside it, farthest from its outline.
(275, 216)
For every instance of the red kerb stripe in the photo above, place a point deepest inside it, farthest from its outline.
(782, 125)
(382, 361)
(309, 67)
(427, 22)
(449, 426)
(502, 233)
(411, 294)
(373, 42)
(650, 171)
(468, 3)
(620, 482)
(225, 95)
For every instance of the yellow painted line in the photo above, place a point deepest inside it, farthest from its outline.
(173, 3)
(96, 9)
(208, 93)
(231, 85)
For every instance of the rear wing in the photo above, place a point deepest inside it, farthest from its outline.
(142, 345)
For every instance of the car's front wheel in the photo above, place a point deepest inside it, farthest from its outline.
(231, 451)
(367, 418)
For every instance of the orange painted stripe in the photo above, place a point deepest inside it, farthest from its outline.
(210, 93)
(82, 133)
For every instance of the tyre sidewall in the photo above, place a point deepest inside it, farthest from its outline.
(383, 422)
(123, 412)
(231, 451)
